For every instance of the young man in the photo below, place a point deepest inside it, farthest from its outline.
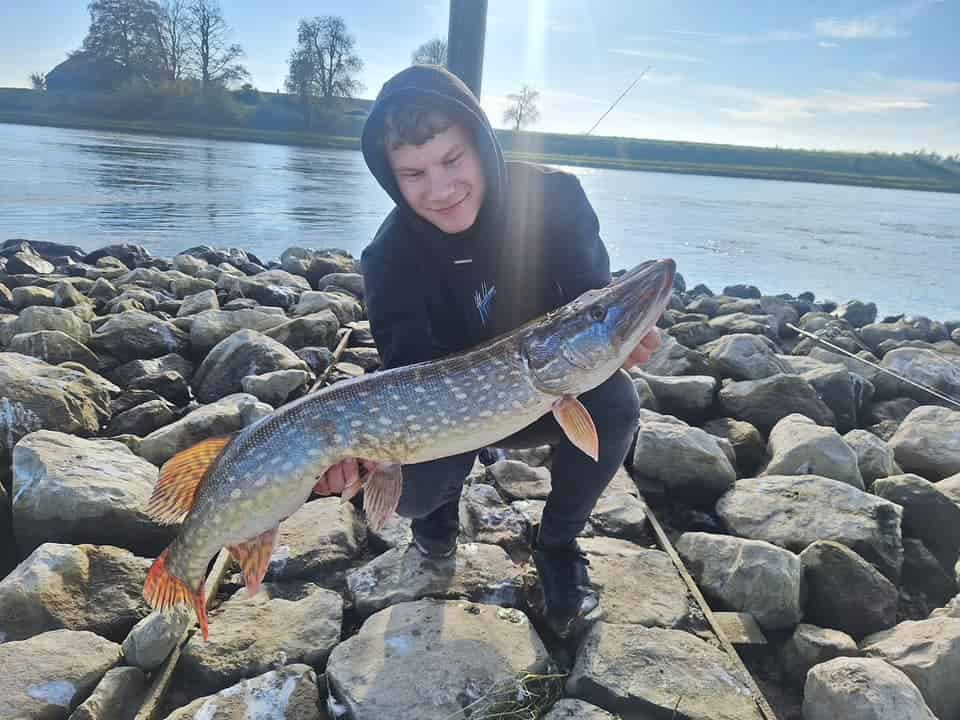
(474, 248)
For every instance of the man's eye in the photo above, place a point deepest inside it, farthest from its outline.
(454, 160)
(412, 176)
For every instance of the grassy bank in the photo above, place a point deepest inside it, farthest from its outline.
(862, 169)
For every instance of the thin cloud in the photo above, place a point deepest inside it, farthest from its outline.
(657, 55)
(870, 28)
(828, 44)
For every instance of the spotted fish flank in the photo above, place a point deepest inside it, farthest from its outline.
(233, 492)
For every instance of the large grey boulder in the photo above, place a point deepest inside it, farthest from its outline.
(928, 442)
(518, 481)
(811, 645)
(294, 622)
(927, 514)
(318, 328)
(39, 396)
(223, 417)
(874, 456)
(316, 264)
(748, 444)
(485, 517)
(844, 592)
(763, 403)
(209, 327)
(643, 672)
(287, 693)
(48, 675)
(343, 305)
(689, 462)
(744, 357)
(674, 359)
(130, 372)
(246, 352)
(136, 334)
(54, 347)
(795, 511)
(276, 288)
(857, 313)
(77, 587)
(277, 387)
(477, 572)
(861, 689)
(798, 446)
(746, 575)
(927, 367)
(428, 659)
(35, 319)
(71, 490)
(637, 585)
(689, 397)
(928, 651)
(152, 639)
(318, 542)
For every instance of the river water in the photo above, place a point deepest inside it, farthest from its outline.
(898, 248)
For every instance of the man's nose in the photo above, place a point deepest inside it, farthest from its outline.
(441, 185)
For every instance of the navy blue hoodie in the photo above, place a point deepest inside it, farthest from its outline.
(534, 246)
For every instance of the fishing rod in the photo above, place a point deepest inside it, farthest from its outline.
(898, 376)
(615, 102)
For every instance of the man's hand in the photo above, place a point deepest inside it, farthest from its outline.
(643, 351)
(344, 474)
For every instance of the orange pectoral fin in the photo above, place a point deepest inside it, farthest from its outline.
(180, 477)
(253, 557)
(577, 425)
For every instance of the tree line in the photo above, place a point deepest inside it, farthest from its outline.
(186, 45)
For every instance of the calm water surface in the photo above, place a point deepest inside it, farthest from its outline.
(898, 248)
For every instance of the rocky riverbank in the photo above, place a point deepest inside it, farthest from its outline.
(799, 485)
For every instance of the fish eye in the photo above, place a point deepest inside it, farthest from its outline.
(597, 312)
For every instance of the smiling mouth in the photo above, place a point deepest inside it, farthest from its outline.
(457, 204)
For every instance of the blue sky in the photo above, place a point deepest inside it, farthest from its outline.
(852, 75)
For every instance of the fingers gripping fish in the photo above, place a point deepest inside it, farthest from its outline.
(233, 492)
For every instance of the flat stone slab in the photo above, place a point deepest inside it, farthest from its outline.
(793, 511)
(653, 672)
(248, 636)
(289, 693)
(478, 572)
(636, 585)
(48, 675)
(429, 659)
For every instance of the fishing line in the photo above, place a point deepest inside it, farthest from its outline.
(898, 376)
(649, 67)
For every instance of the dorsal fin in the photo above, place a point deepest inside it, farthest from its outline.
(180, 477)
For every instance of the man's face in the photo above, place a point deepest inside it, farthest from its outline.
(442, 180)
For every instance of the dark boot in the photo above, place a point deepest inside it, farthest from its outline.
(567, 594)
(435, 535)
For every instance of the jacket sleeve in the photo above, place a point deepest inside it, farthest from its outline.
(396, 310)
(581, 259)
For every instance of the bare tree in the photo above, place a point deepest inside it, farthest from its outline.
(432, 52)
(215, 60)
(324, 62)
(38, 81)
(124, 31)
(522, 110)
(173, 33)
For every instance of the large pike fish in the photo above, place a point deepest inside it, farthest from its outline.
(233, 492)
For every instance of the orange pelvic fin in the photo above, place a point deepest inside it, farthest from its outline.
(577, 425)
(253, 557)
(180, 477)
(381, 494)
(163, 590)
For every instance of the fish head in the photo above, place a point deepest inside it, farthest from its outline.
(581, 344)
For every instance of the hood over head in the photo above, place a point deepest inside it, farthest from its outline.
(451, 93)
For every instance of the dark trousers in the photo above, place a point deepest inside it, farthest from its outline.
(577, 481)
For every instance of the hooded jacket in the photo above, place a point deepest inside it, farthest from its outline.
(534, 246)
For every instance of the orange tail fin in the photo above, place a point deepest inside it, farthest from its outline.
(163, 590)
